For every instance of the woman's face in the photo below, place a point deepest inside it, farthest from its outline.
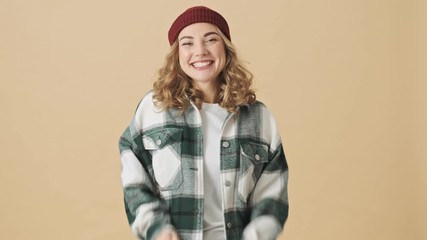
(201, 53)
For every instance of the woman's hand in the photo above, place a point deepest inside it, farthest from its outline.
(167, 235)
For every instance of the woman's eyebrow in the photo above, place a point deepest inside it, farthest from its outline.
(205, 35)
(183, 37)
(210, 33)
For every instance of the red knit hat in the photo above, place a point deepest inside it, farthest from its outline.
(196, 15)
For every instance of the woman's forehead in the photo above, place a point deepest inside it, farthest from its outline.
(197, 29)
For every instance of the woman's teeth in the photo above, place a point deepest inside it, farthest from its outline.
(201, 64)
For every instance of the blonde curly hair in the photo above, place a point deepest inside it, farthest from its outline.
(174, 89)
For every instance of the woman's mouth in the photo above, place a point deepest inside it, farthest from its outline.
(202, 64)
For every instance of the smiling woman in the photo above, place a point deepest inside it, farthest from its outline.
(202, 57)
(202, 159)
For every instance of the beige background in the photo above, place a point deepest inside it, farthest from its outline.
(346, 81)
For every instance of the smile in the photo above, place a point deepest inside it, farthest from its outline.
(201, 64)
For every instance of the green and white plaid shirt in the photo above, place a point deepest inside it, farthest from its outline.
(162, 173)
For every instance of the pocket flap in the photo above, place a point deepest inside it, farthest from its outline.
(160, 138)
(258, 153)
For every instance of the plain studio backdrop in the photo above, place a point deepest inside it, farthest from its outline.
(346, 81)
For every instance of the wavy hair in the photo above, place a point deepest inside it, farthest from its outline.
(174, 89)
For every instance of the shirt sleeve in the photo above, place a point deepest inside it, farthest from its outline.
(147, 212)
(269, 199)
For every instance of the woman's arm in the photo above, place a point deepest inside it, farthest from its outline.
(269, 198)
(147, 212)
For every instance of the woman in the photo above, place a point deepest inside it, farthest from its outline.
(202, 159)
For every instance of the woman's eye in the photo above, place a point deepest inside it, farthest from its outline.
(186, 44)
(212, 40)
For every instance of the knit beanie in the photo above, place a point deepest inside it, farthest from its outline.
(196, 15)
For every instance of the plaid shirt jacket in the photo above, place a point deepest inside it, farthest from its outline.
(162, 173)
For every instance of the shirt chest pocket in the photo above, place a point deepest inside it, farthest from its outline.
(253, 156)
(165, 147)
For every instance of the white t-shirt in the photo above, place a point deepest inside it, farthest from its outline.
(213, 117)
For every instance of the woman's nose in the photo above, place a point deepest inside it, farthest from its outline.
(201, 50)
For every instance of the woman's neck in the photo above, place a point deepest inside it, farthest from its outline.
(210, 97)
(210, 92)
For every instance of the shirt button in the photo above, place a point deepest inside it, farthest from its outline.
(158, 142)
(229, 225)
(226, 144)
(257, 157)
(227, 183)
